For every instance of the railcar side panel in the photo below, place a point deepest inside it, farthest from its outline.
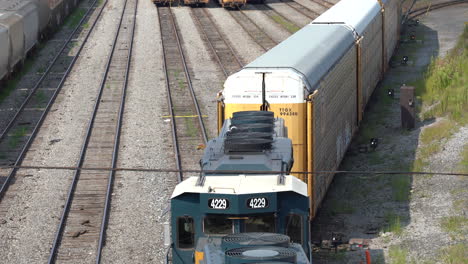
(371, 64)
(334, 120)
(4, 51)
(13, 23)
(391, 27)
(30, 19)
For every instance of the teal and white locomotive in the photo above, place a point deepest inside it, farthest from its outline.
(243, 218)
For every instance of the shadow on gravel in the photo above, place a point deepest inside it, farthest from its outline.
(372, 206)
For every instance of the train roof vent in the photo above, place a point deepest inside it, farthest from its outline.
(247, 145)
(256, 254)
(255, 239)
(235, 121)
(252, 113)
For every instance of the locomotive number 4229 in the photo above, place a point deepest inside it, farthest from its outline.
(218, 203)
(255, 203)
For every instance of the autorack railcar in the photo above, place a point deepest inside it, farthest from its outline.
(226, 217)
(319, 80)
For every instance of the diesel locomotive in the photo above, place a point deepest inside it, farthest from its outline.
(227, 217)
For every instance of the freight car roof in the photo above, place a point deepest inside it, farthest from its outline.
(13, 5)
(358, 17)
(316, 49)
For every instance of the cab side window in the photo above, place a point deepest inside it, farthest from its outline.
(185, 233)
(294, 228)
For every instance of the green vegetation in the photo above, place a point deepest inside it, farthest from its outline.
(455, 254)
(431, 140)
(401, 185)
(16, 136)
(285, 23)
(11, 84)
(463, 166)
(444, 89)
(341, 207)
(192, 130)
(456, 226)
(41, 98)
(398, 255)
(74, 19)
(393, 223)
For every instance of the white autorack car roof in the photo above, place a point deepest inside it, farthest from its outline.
(317, 49)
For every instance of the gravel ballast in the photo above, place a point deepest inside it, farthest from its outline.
(135, 230)
(33, 205)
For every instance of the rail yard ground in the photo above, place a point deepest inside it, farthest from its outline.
(410, 218)
(407, 218)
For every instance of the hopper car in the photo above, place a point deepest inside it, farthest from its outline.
(23, 23)
(313, 88)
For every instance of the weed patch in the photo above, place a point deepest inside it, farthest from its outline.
(456, 226)
(401, 187)
(74, 19)
(341, 207)
(393, 224)
(455, 254)
(16, 136)
(463, 166)
(286, 24)
(397, 255)
(443, 90)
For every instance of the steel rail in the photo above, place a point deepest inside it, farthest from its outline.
(35, 131)
(249, 32)
(47, 71)
(189, 80)
(300, 8)
(323, 3)
(66, 210)
(218, 59)
(422, 10)
(115, 154)
(175, 140)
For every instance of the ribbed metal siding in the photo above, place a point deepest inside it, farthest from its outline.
(371, 57)
(334, 119)
(4, 51)
(391, 21)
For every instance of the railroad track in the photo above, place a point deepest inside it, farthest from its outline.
(279, 19)
(81, 232)
(18, 135)
(257, 34)
(188, 129)
(225, 56)
(423, 10)
(301, 9)
(324, 3)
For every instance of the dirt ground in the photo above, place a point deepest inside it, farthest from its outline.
(406, 218)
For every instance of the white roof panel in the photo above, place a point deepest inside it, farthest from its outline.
(241, 184)
(356, 14)
(316, 49)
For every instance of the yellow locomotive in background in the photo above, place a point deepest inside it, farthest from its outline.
(319, 81)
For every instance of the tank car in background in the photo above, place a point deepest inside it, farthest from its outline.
(319, 81)
(227, 217)
(23, 23)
